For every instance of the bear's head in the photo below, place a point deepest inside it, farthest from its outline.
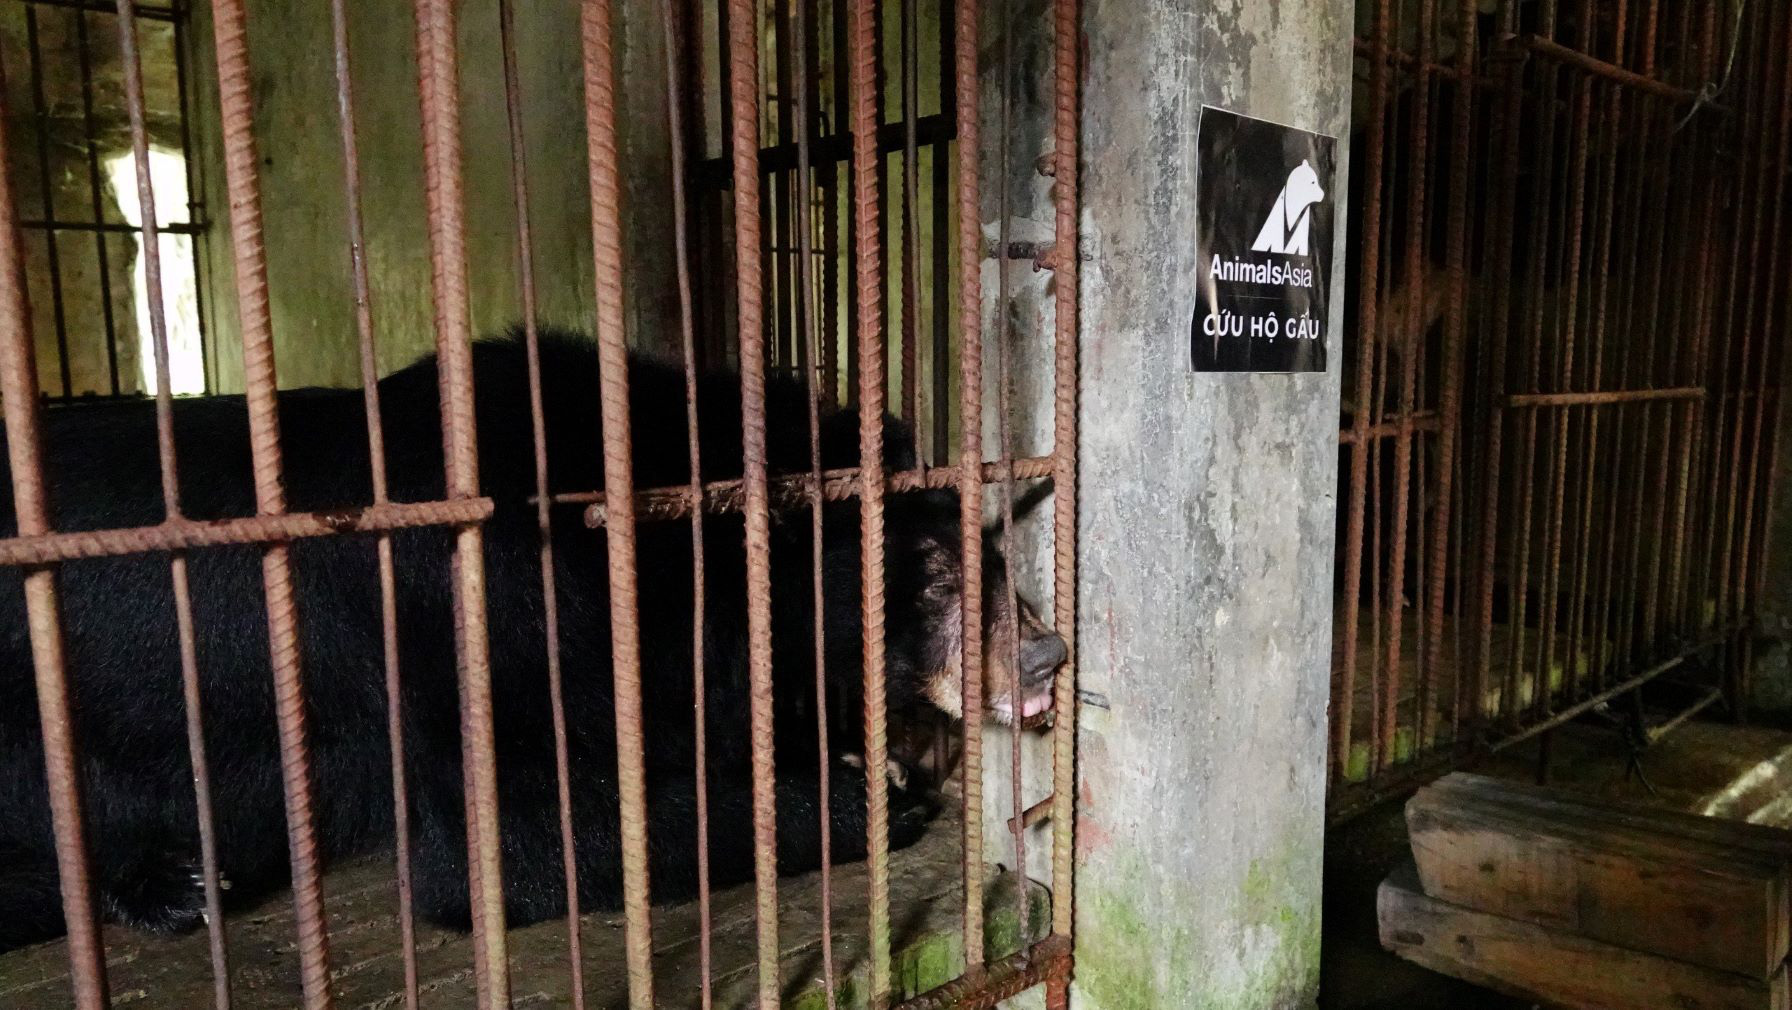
(1302, 190)
(923, 623)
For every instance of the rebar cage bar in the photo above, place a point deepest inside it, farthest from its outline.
(84, 232)
(1561, 373)
(818, 185)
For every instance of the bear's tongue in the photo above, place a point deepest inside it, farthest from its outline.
(1036, 704)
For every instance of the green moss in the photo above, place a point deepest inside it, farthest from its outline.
(1356, 769)
(1130, 957)
(938, 956)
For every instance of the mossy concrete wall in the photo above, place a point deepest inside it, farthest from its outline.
(1206, 530)
(303, 201)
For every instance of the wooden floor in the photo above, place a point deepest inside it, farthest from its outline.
(367, 967)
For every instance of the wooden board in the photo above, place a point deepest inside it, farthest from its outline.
(1552, 966)
(1675, 892)
(1554, 802)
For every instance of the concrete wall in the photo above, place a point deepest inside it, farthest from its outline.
(301, 172)
(1206, 536)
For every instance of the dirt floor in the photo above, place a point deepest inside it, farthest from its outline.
(1705, 767)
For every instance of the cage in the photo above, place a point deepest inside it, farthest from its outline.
(785, 203)
(1561, 376)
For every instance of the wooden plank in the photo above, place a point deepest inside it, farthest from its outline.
(1685, 898)
(1676, 823)
(1553, 966)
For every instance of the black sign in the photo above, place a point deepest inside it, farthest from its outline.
(1264, 199)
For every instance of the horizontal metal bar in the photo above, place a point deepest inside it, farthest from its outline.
(792, 491)
(1711, 698)
(110, 227)
(1046, 961)
(717, 173)
(183, 534)
(1553, 50)
(1035, 814)
(1576, 711)
(1349, 800)
(1595, 398)
(1426, 421)
(108, 7)
(1401, 58)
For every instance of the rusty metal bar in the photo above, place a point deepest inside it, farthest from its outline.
(1553, 50)
(1586, 705)
(241, 170)
(810, 350)
(195, 191)
(625, 644)
(970, 484)
(1605, 397)
(1656, 511)
(868, 284)
(49, 548)
(45, 193)
(132, 72)
(944, 284)
(1605, 211)
(1567, 332)
(1413, 323)
(792, 491)
(1763, 230)
(439, 95)
(1507, 126)
(1344, 713)
(376, 451)
(519, 178)
(1450, 397)
(1705, 701)
(1423, 420)
(1005, 451)
(743, 59)
(1769, 302)
(911, 226)
(670, 15)
(930, 130)
(1047, 962)
(1719, 365)
(19, 400)
(109, 227)
(96, 191)
(1066, 41)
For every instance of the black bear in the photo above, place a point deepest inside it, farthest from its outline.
(123, 664)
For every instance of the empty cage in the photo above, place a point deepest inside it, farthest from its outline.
(806, 254)
(1561, 374)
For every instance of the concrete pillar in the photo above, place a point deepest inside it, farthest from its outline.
(1206, 534)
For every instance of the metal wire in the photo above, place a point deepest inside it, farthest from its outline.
(525, 253)
(670, 16)
(183, 600)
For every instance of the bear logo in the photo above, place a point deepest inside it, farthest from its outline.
(1286, 229)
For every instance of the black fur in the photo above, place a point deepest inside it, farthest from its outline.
(119, 626)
